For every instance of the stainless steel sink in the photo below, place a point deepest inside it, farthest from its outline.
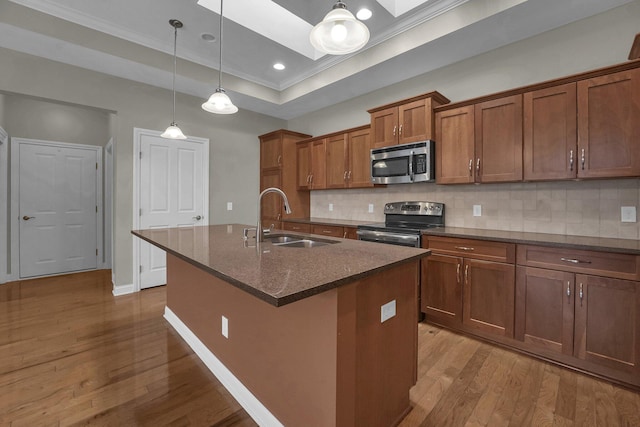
(293, 241)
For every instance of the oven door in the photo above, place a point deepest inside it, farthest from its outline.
(411, 240)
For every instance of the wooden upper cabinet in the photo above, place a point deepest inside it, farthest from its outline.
(311, 163)
(608, 125)
(359, 153)
(550, 133)
(405, 121)
(303, 165)
(271, 152)
(337, 161)
(384, 127)
(271, 205)
(455, 146)
(607, 323)
(498, 135)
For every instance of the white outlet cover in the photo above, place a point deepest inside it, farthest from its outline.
(387, 311)
(628, 214)
(477, 210)
(370, 207)
(330, 207)
(229, 206)
(225, 327)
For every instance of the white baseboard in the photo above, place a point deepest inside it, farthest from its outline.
(245, 398)
(122, 289)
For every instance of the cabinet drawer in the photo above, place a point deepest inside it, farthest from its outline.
(478, 249)
(622, 266)
(327, 230)
(296, 226)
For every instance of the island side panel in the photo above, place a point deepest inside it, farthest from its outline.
(382, 355)
(286, 356)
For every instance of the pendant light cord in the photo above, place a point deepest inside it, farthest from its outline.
(220, 58)
(175, 42)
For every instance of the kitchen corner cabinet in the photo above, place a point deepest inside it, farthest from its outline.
(311, 164)
(581, 304)
(470, 284)
(405, 121)
(348, 159)
(278, 169)
(480, 143)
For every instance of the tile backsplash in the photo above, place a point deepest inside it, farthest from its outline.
(582, 208)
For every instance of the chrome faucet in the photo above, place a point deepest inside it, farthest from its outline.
(287, 209)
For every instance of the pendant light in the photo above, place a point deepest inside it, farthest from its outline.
(173, 131)
(219, 102)
(339, 32)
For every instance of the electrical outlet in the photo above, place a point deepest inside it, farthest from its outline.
(477, 210)
(225, 327)
(330, 207)
(229, 206)
(370, 207)
(628, 214)
(387, 311)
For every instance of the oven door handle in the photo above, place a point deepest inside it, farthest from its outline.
(387, 237)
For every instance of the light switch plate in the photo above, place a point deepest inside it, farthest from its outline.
(387, 311)
(370, 207)
(330, 207)
(229, 206)
(477, 210)
(628, 214)
(225, 327)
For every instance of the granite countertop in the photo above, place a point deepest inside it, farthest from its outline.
(627, 246)
(329, 221)
(277, 274)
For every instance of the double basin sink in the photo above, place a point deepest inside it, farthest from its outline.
(295, 241)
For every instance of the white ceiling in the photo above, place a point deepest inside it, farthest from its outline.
(133, 39)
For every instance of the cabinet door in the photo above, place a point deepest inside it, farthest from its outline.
(441, 289)
(337, 167)
(550, 134)
(455, 146)
(271, 205)
(608, 125)
(607, 322)
(350, 233)
(544, 309)
(318, 164)
(488, 297)
(303, 165)
(359, 171)
(271, 152)
(498, 136)
(415, 122)
(384, 128)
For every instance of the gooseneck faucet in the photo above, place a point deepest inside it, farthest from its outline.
(287, 209)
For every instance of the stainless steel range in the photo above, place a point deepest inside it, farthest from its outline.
(404, 222)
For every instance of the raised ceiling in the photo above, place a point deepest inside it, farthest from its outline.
(132, 39)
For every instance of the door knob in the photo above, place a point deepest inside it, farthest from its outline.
(27, 218)
(197, 218)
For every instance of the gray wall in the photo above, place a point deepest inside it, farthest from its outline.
(2, 100)
(234, 150)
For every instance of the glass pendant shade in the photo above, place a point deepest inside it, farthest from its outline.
(173, 132)
(219, 103)
(339, 32)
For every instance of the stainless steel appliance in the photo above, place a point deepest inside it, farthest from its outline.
(404, 222)
(405, 163)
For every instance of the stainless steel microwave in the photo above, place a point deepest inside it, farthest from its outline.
(406, 163)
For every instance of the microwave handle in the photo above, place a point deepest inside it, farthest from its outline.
(411, 165)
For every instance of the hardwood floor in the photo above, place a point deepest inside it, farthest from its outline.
(72, 354)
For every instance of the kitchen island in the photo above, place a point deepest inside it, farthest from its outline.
(322, 336)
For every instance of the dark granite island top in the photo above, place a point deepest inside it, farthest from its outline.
(278, 275)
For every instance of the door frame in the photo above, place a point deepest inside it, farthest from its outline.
(5, 251)
(15, 200)
(108, 205)
(138, 133)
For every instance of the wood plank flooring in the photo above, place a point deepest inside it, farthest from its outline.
(72, 354)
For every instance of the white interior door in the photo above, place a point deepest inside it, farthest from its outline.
(57, 209)
(173, 193)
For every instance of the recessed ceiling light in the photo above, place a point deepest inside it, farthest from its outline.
(208, 37)
(364, 14)
(279, 66)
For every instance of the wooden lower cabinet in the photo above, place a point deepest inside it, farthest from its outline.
(350, 233)
(441, 297)
(327, 230)
(296, 226)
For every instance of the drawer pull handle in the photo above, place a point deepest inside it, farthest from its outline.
(326, 231)
(464, 248)
(575, 261)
